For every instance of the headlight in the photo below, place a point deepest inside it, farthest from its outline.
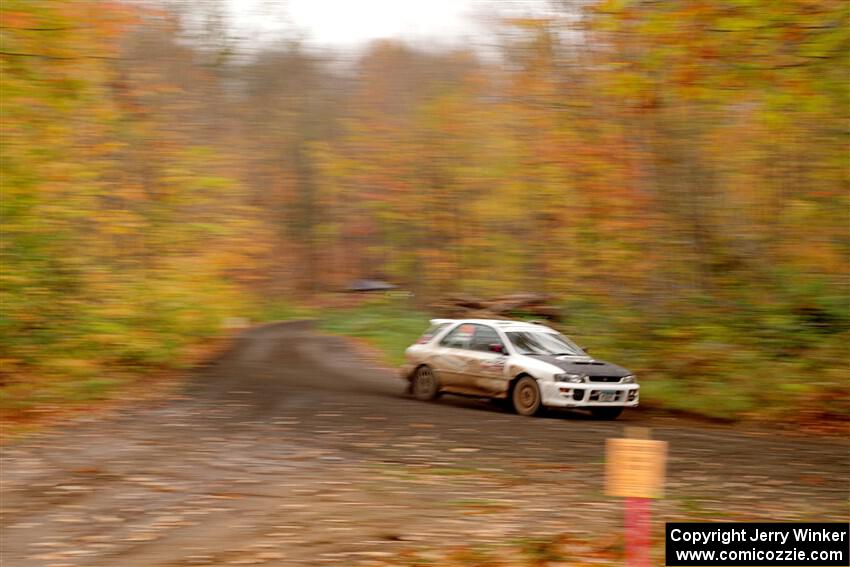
(628, 379)
(571, 378)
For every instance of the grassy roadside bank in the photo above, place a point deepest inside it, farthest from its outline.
(28, 406)
(696, 367)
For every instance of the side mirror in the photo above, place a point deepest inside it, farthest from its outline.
(496, 347)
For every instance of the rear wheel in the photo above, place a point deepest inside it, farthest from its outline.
(526, 396)
(424, 386)
(606, 413)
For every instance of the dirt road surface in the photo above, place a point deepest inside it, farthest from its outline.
(290, 450)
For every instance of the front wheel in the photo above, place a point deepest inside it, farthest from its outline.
(526, 396)
(608, 414)
(424, 386)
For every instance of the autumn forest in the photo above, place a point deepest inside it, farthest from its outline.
(674, 173)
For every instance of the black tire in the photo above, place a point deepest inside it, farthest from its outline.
(608, 414)
(526, 396)
(424, 385)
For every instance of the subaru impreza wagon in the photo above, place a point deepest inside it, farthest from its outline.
(527, 364)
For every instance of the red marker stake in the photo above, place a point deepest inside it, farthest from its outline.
(637, 532)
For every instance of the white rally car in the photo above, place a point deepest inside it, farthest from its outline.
(528, 364)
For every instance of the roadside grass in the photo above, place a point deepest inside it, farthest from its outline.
(122, 353)
(73, 348)
(28, 405)
(27, 402)
(23, 396)
(282, 310)
(388, 324)
(749, 364)
(721, 367)
(743, 364)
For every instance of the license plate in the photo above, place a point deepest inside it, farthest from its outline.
(607, 396)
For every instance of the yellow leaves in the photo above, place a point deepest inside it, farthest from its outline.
(530, 23)
(225, 259)
(13, 19)
(112, 308)
(107, 147)
(120, 222)
(587, 162)
(73, 366)
(632, 85)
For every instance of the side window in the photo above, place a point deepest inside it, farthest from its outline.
(461, 337)
(484, 337)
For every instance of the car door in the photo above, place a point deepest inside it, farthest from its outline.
(485, 368)
(452, 355)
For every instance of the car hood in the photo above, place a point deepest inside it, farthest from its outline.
(587, 366)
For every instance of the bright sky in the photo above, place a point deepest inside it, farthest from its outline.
(351, 22)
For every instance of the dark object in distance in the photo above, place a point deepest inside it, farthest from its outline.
(370, 285)
(526, 304)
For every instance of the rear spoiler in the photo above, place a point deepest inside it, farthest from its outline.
(441, 321)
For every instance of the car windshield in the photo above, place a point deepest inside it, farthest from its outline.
(431, 332)
(543, 343)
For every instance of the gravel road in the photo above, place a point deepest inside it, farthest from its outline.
(291, 450)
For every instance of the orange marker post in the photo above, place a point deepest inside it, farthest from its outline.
(634, 470)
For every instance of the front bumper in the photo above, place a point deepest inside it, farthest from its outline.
(589, 394)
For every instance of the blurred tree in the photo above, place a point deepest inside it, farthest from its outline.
(675, 171)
